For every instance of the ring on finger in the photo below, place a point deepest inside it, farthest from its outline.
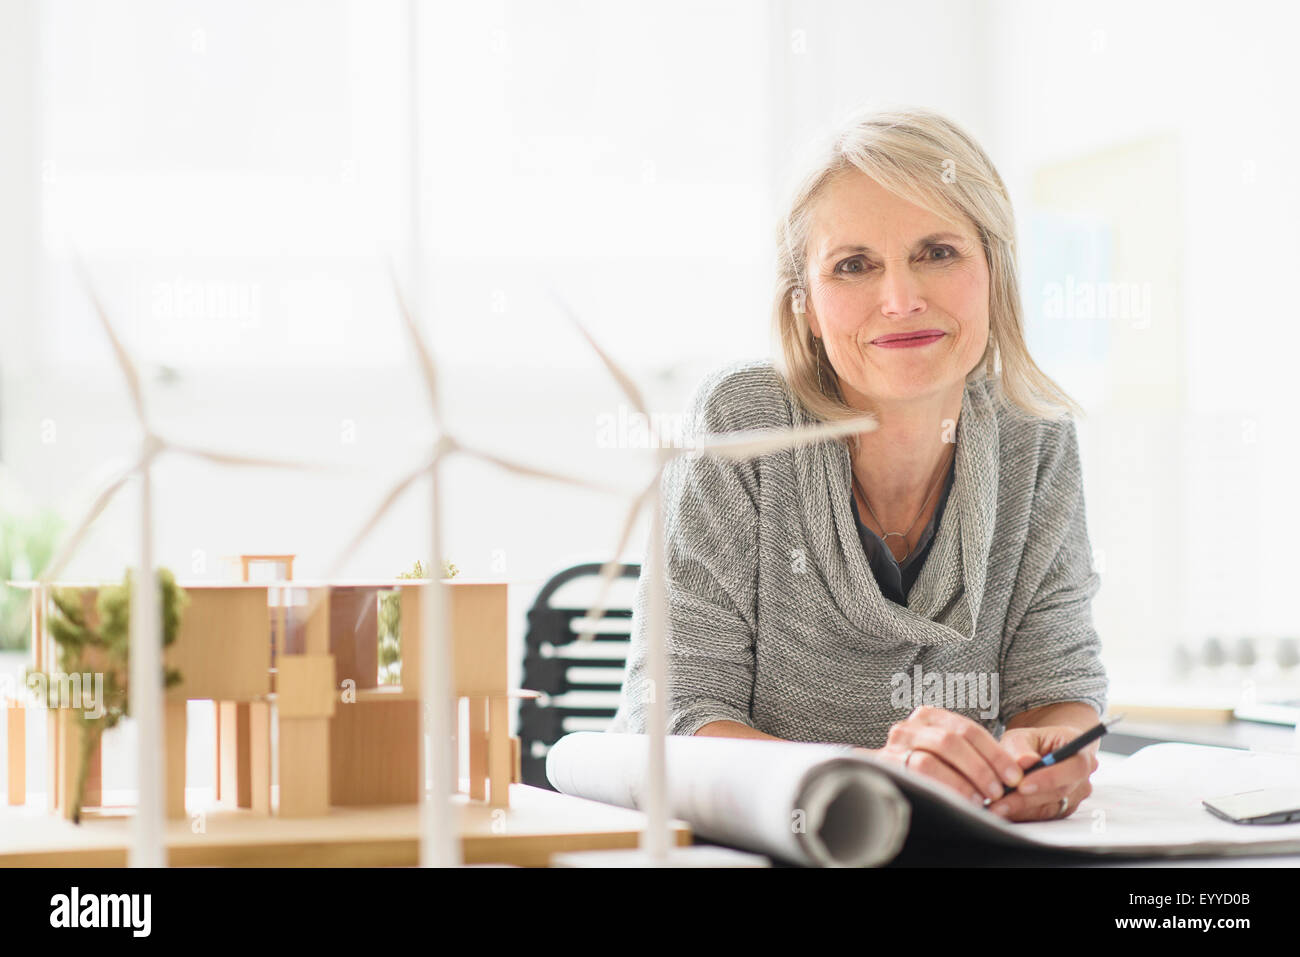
(1065, 806)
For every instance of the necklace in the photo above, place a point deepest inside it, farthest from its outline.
(903, 535)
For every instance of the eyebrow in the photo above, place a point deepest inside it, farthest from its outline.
(923, 241)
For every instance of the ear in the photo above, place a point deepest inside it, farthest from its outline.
(801, 299)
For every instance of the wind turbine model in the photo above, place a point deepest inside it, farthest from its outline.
(439, 840)
(148, 845)
(656, 848)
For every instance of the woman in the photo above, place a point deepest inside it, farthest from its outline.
(924, 590)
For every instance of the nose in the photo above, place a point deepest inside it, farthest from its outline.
(900, 292)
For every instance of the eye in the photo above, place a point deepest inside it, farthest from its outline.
(841, 267)
(948, 251)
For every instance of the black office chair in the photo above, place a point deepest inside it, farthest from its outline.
(547, 669)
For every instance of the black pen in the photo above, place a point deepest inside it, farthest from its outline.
(1066, 750)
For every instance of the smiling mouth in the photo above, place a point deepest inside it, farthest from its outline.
(924, 335)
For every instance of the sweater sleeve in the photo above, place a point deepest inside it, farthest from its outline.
(1054, 654)
(711, 546)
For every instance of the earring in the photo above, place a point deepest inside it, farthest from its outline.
(818, 351)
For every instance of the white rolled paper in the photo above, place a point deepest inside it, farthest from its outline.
(809, 804)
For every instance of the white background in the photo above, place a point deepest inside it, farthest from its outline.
(237, 175)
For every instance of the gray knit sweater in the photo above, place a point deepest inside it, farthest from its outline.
(776, 620)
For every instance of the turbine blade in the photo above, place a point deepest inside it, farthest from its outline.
(610, 570)
(531, 471)
(422, 354)
(70, 544)
(752, 443)
(625, 383)
(230, 458)
(380, 511)
(124, 362)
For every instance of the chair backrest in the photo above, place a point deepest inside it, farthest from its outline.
(580, 683)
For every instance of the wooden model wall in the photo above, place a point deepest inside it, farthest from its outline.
(479, 623)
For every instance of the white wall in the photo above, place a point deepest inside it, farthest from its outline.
(235, 174)
(20, 196)
(1070, 81)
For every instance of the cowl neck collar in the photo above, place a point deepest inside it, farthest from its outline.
(944, 603)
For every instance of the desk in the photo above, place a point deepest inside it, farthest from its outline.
(537, 823)
(1132, 735)
(918, 852)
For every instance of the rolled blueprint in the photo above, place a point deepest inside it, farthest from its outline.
(809, 804)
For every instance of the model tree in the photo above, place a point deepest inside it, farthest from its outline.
(390, 624)
(104, 646)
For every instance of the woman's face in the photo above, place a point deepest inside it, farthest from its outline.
(879, 266)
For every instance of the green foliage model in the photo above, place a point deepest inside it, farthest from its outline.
(26, 546)
(390, 625)
(104, 648)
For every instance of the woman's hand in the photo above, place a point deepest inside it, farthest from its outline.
(1039, 797)
(955, 750)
